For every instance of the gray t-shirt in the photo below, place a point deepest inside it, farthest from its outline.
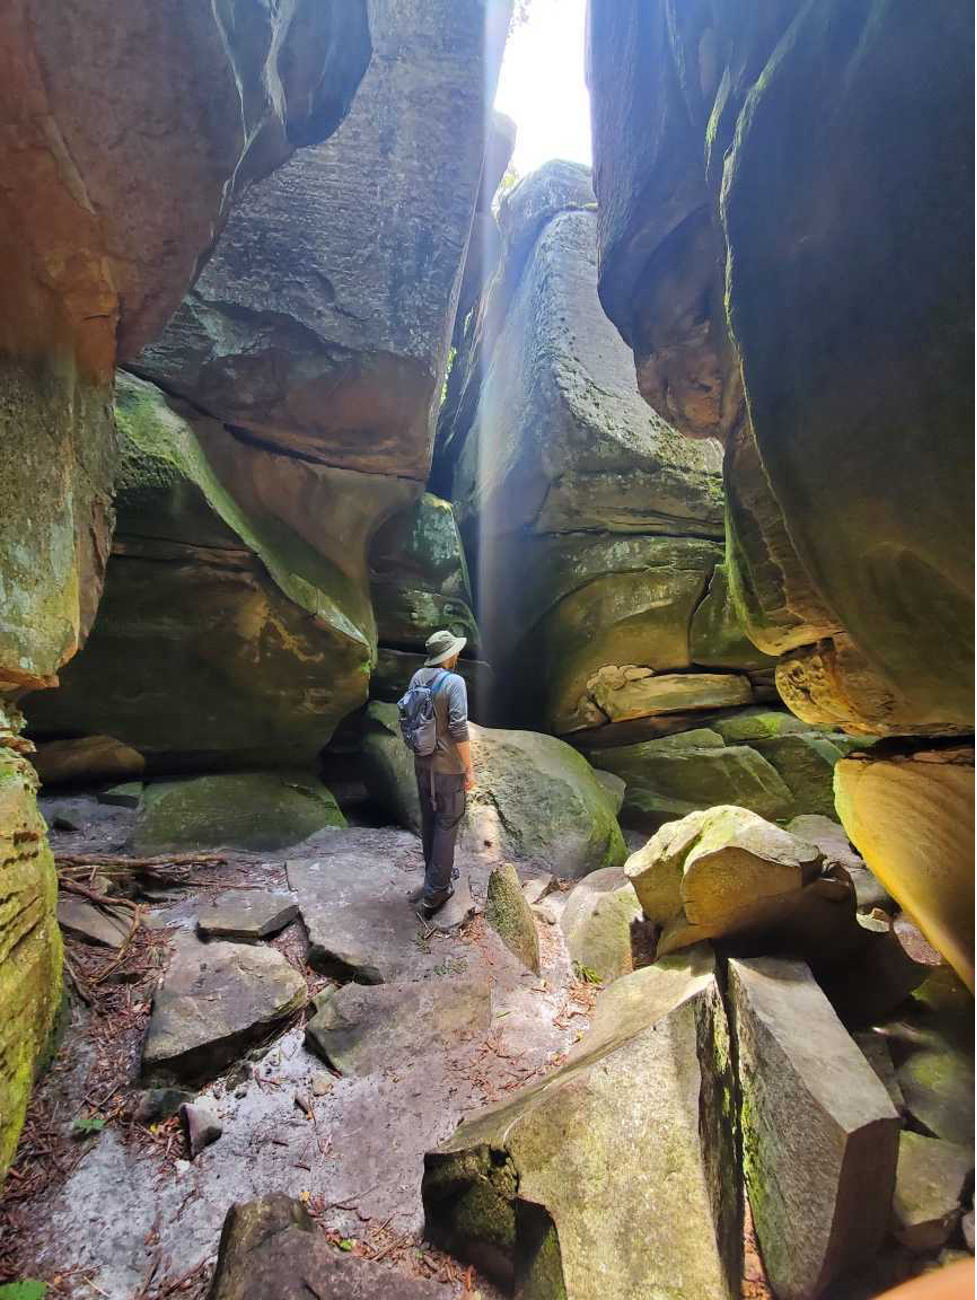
(451, 711)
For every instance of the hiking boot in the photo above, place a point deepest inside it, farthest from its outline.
(428, 908)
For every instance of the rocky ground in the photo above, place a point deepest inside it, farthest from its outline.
(104, 1202)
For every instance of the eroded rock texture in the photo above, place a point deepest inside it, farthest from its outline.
(766, 164)
(784, 288)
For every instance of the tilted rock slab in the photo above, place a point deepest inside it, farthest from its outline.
(359, 1029)
(820, 1135)
(272, 1250)
(615, 1176)
(245, 915)
(508, 912)
(597, 923)
(216, 999)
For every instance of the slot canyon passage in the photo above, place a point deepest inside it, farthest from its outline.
(299, 364)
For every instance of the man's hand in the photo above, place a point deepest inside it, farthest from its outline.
(469, 780)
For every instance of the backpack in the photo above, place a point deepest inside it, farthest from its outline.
(418, 724)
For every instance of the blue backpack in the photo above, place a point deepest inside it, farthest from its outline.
(418, 724)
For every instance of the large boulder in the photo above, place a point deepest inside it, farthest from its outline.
(30, 944)
(535, 797)
(242, 810)
(820, 1135)
(910, 814)
(236, 621)
(833, 280)
(129, 135)
(321, 321)
(586, 510)
(600, 922)
(531, 1191)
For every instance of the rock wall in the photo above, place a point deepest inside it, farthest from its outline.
(784, 286)
(302, 370)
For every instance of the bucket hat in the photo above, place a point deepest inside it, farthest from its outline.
(441, 646)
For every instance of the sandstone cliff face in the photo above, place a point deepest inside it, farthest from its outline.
(784, 230)
(302, 369)
(128, 135)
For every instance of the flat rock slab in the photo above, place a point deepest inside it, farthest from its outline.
(127, 795)
(361, 1029)
(245, 914)
(820, 1135)
(930, 1181)
(216, 999)
(105, 929)
(271, 1250)
(354, 903)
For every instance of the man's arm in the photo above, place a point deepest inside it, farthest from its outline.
(458, 725)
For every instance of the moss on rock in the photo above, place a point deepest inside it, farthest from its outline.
(508, 913)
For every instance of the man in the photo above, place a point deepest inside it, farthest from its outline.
(444, 778)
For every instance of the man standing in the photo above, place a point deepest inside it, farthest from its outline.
(444, 777)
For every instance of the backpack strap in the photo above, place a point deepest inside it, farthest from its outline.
(440, 681)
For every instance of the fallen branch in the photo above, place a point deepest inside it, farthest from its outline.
(137, 864)
(103, 900)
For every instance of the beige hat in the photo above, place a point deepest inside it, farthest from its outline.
(441, 646)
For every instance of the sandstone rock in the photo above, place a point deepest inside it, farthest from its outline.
(83, 920)
(245, 914)
(828, 836)
(157, 1104)
(534, 891)
(272, 1250)
(244, 810)
(127, 795)
(672, 693)
(535, 797)
(874, 1048)
(819, 1131)
(353, 906)
(202, 1126)
(693, 225)
(241, 577)
(672, 776)
(911, 816)
(530, 1191)
(614, 788)
(597, 923)
(509, 914)
(30, 944)
(87, 758)
(717, 637)
(291, 332)
(216, 1000)
(419, 577)
(930, 1179)
(360, 1030)
(937, 1081)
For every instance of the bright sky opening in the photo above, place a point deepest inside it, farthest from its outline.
(542, 88)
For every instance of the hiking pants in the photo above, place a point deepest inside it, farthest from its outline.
(440, 819)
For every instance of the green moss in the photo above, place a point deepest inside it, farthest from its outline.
(507, 911)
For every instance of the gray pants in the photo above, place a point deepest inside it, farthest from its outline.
(440, 819)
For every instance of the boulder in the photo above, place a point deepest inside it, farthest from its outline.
(937, 1081)
(531, 1191)
(911, 817)
(87, 758)
(360, 1029)
(535, 797)
(419, 577)
(614, 788)
(236, 621)
(241, 810)
(106, 229)
(621, 696)
(214, 1002)
(703, 246)
(671, 776)
(103, 927)
(931, 1178)
(271, 1249)
(291, 332)
(820, 1134)
(156, 1104)
(202, 1127)
(509, 914)
(828, 836)
(245, 915)
(598, 921)
(30, 943)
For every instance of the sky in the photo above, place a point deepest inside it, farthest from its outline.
(542, 86)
